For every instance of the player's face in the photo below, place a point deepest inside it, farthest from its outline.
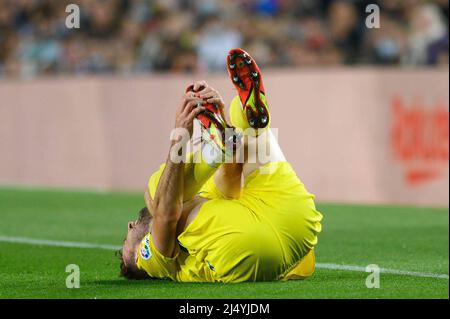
(136, 231)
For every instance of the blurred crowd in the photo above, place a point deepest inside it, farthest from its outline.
(142, 36)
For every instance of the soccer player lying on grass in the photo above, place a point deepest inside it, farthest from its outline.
(243, 220)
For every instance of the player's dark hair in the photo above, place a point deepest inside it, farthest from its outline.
(131, 273)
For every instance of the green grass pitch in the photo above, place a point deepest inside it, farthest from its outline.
(404, 238)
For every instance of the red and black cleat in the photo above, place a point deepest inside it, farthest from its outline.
(214, 126)
(247, 78)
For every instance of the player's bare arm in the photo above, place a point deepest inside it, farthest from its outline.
(168, 201)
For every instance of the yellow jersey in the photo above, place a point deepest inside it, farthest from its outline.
(267, 234)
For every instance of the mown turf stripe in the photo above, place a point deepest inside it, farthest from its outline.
(55, 243)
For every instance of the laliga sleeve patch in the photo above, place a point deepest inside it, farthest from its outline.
(145, 248)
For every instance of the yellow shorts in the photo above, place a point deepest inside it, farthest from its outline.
(266, 234)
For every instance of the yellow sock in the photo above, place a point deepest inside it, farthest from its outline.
(237, 116)
(199, 168)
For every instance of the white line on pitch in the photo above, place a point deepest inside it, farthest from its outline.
(382, 270)
(45, 242)
(54, 243)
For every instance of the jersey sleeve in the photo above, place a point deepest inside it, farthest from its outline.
(154, 180)
(154, 263)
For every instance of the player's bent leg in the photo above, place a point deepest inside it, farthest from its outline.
(275, 181)
(249, 112)
(216, 147)
(260, 147)
(260, 151)
(198, 170)
(228, 180)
